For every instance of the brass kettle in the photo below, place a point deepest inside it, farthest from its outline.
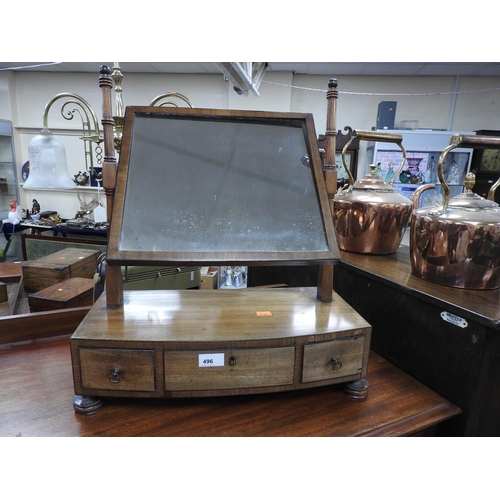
(457, 243)
(368, 215)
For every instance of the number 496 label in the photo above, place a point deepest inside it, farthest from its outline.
(207, 360)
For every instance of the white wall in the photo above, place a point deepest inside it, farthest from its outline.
(430, 100)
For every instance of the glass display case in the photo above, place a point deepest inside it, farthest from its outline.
(423, 149)
(8, 175)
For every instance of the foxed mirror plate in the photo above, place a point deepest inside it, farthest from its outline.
(197, 186)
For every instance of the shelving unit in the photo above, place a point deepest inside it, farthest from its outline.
(8, 175)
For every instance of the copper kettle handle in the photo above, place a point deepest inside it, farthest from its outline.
(369, 135)
(466, 141)
(418, 193)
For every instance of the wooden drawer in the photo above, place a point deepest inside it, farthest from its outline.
(117, 369)
(333, 359)
(228, 369)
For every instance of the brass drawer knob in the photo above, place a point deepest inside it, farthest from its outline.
(336, 363)
(115, 376)
(232, 361)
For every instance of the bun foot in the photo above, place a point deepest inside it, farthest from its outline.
(87, 405)
(357, 389)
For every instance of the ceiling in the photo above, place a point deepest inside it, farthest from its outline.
(307, 68)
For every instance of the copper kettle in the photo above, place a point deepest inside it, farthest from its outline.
(368, 215)
(457, 243)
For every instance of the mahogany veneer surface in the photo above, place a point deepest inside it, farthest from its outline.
(36, 399)
(218, 315)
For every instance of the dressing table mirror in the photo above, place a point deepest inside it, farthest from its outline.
(205, 187)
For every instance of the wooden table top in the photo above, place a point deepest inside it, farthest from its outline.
(218, 315)
(36, 399)
(395, 270)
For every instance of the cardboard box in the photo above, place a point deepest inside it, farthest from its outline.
(73, 292)
(208, 278)
(59, 266)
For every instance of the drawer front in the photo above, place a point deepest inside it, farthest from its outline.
(117, 369)
(333, 359)
(228, 369)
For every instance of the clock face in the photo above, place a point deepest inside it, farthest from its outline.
(491, 160)
(81, 178)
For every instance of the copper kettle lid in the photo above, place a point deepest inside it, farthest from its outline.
(372, 189)
(469, 200)
(373, 181)
(467, 207)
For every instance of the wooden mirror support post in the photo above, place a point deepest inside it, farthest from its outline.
(325, 276)
(357, 389)
(114, 283)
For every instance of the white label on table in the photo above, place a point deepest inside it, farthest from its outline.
(456, 320)
(208, 360)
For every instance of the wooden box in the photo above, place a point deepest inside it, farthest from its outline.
(73, 292)
(59, 266)
(209, 277)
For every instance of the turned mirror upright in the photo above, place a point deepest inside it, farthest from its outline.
(217, 187)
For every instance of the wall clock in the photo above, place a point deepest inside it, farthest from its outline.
(490, 160)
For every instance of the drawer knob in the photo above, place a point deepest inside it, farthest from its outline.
(232, 361)
(336, 363)
(115, 376)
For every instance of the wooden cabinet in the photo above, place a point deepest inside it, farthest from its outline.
(446, 338)
(183, 343)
